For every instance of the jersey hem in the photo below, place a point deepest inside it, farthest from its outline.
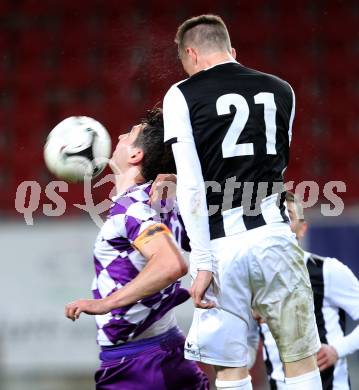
(300, 356)
(223, 363)
(271, 225)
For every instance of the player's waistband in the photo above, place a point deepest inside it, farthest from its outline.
(113, 353)
(237, 220)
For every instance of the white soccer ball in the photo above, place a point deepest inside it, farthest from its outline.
(78, 147)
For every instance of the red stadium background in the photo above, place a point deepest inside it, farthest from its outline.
(113, 59)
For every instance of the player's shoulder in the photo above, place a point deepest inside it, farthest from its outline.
(174, 89)
(270, 79)
(330, 265)
(335, 266)
(317, 259)
(134, 202)
(324, 261)
(234, 70)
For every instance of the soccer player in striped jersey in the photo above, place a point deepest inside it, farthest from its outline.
(138, 264)
(230, 128)
(336, 292)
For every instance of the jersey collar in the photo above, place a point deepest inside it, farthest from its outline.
(222, 63)
(133, 188)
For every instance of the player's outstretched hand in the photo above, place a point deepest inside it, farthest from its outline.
(88, 306)
(163, 187)
(199, 288)
(326, 357)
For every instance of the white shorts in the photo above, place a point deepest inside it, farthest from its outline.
(262, 269)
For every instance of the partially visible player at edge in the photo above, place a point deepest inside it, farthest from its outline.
(336, 292)
(230, 125)
(137, 264)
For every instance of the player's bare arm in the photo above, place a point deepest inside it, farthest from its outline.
(165, 265)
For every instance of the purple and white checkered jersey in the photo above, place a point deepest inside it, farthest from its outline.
(117, 262)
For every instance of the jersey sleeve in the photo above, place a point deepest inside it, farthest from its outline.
(191, 193)
(292, 114)
(342, 287)
(342, 290)
(177, 124)
(149, 233)
(138, 217)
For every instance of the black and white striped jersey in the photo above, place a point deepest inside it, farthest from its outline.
(239, 123)
(230, 129)
(336, 292)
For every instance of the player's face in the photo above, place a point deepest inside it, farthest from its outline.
(126, 153)
(297, 224)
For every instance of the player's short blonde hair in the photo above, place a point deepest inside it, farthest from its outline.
(206, 32)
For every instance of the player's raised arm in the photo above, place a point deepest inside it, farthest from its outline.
(191, 193)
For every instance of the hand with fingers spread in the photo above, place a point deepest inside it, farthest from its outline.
(199, 288)
(164, 187)
(326, 357)
(87, 306)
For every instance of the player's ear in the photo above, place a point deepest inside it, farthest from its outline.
(192, 54)
(135, 156)
(234, 53)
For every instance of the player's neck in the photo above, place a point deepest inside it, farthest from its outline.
(214, 59)
(127, 180)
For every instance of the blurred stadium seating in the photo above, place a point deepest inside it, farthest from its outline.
(111, 60)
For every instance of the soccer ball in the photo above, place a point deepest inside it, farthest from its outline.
(77, 148)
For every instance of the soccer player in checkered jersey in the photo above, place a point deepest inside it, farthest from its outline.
(137, 264)
(230, 128)
(336, 292)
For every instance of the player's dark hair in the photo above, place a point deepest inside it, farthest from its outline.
(157, 157)
(206, 31)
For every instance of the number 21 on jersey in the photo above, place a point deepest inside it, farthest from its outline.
(230, 148)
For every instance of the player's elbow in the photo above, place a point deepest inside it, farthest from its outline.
(182, 268)
(175, 269)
